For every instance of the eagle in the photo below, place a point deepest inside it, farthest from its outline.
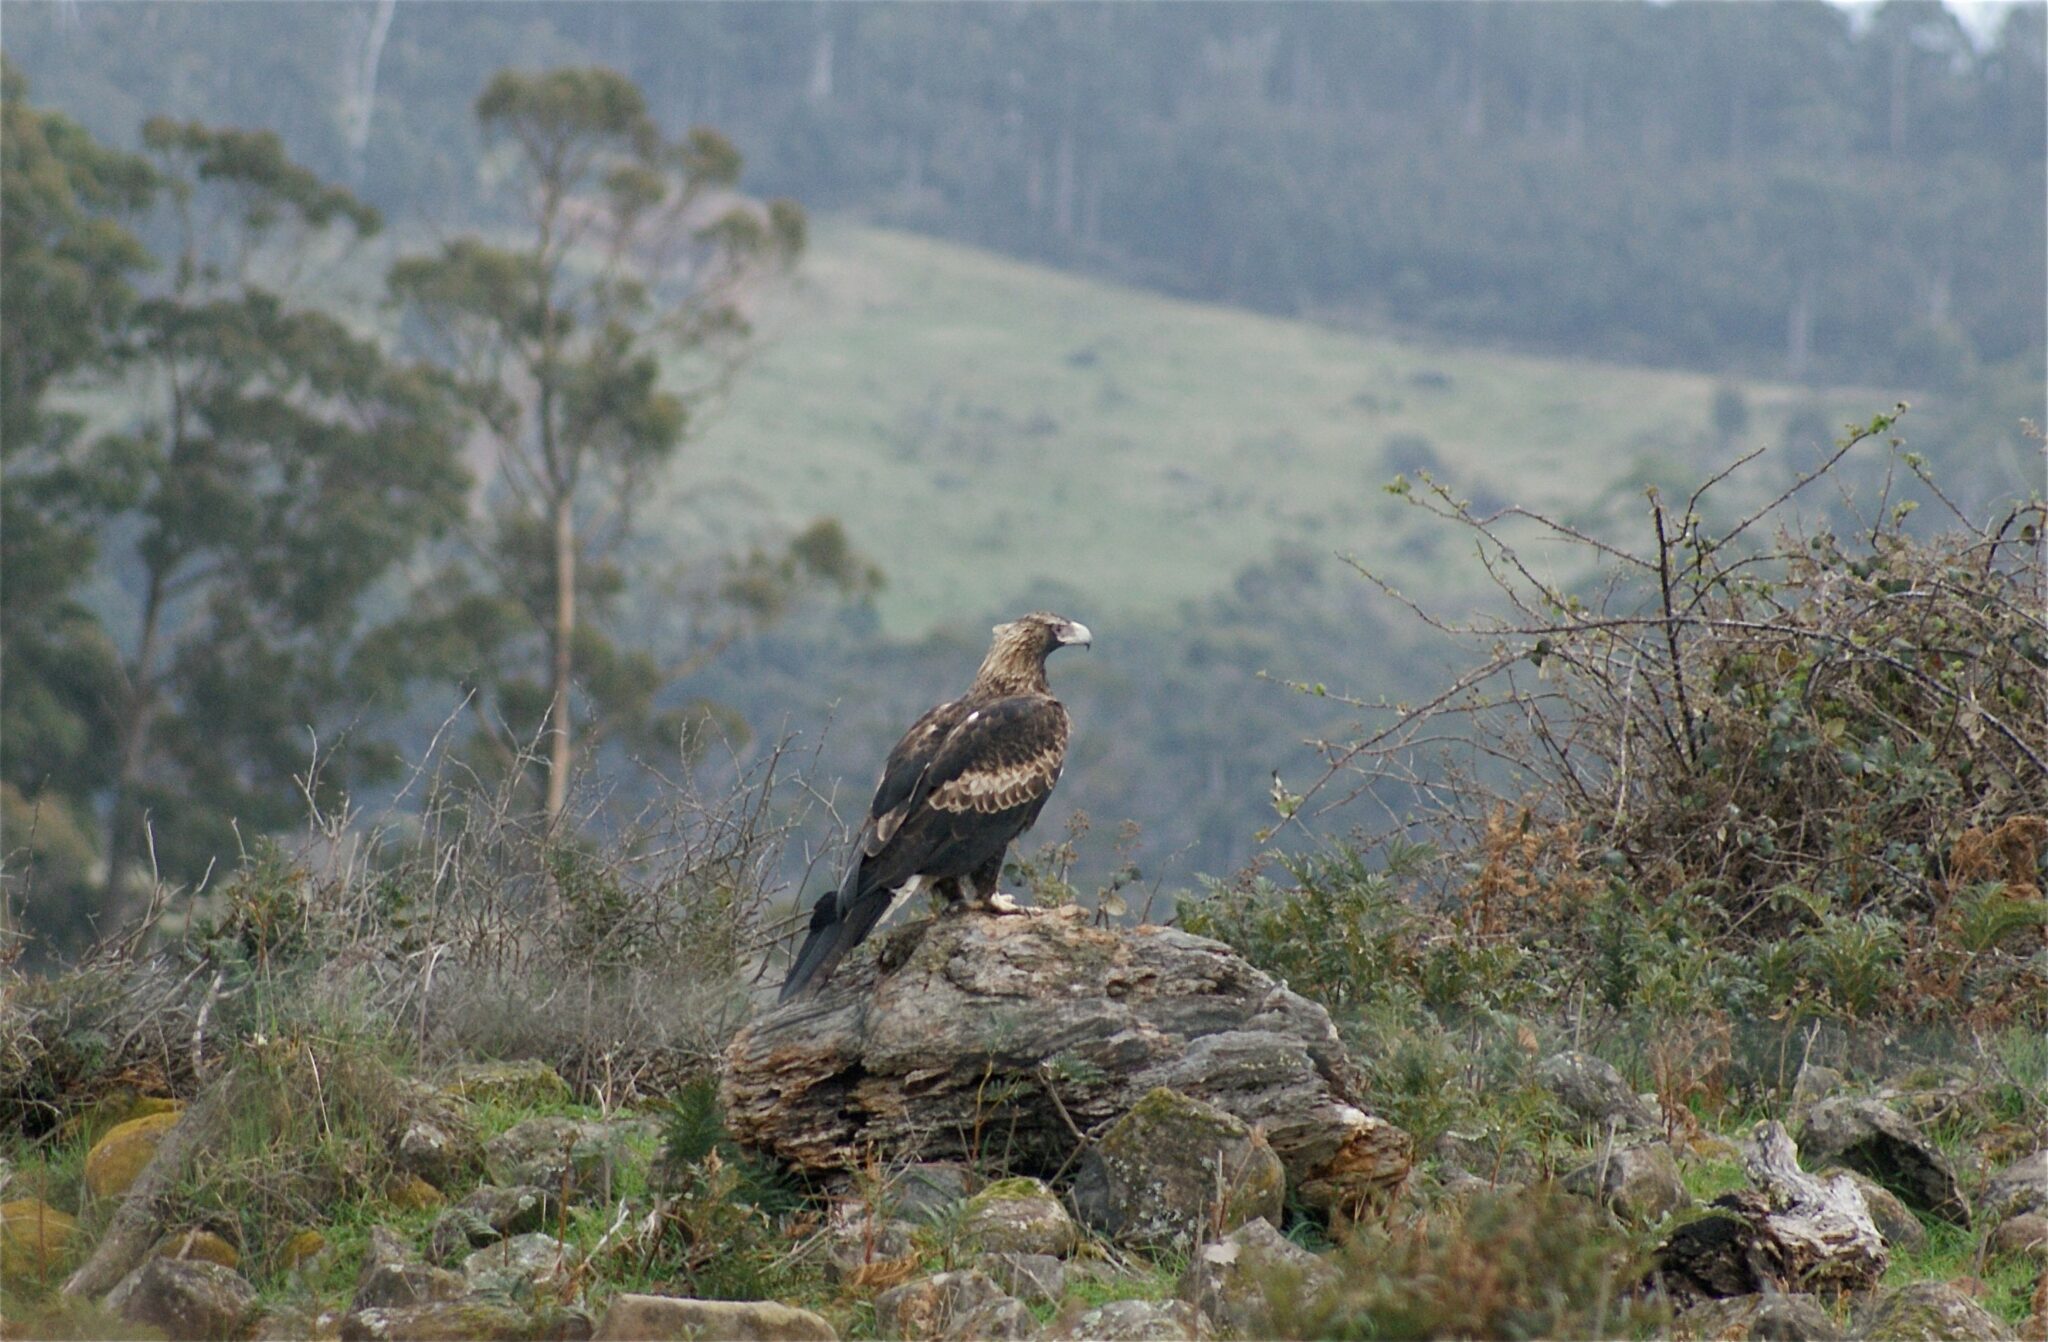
(967, 778)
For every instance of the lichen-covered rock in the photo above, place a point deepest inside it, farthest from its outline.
(118, 1159)
(301, 1249)
(554, 1152)
(1870, 1137)
(1031, 1277)
(1894, 1219)
(442, 1321)
(1814, 1084)
(487, 1215)
(1926, 1311)
(529, 1082)
(524, 1267)
(1131, 1321)
(929, 1189)
(2025, 1234)
(1175, 1166)
(189, 1301)
(1019, 1216)
(201, 1246)
(1757, 1318)
(386, 1285)
(656, 1318)
(438, 1150)
(34, 1238)
(1640, 1183)
(1081, 1022)
(2019, 1188)
(1238, 1280)
(1593, 1091)
(934, 1306)
(410, 1193)
(1000, 1320)
(866, 1252)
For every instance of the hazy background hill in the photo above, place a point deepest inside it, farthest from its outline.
(1130, 310)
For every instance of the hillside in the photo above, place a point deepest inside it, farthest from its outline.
(1139, 450)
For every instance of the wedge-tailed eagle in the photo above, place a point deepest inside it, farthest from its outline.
(966, 779)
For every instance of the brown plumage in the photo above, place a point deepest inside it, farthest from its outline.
(966, 779)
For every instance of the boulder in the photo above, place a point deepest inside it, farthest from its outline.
(1757, 1318)
(870, 1253)
(1174, 1167)
(1131, 1321)
(34, 1237)
(1594, 1092)
(437, 1150)
(1000, 1320)
(934, 1306)
(1078, 1023)
(524, 1267)
(202, 1246)
(188, 1301)
(1238, 1279)
(1814, 1084)
(929, 1189)
(1926, 1311)
(487, 1215)
(656, 1318)
(2025, 1234)
(2018, 1188)
(1894, 1220)
(383, 1284)
(1640, 1184)
(1019, 1216)
(118, 1159)
(1870, 1137)
(441, 1321)
(1031, 1277)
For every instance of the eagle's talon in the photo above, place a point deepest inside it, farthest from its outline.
(1000, 903)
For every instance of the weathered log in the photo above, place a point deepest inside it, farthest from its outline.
(973, 1035)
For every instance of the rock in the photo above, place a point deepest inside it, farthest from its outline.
(524, 1267)
(1000, 1320)
(386, 1246)
(929, 1189)
(2018, 1188)
(442, 1321)
(1926, 1311)
(487, 1215)
(301, 1249)
(34, 1237)
(188, 1301)
(564, 1323)
(1894, 1220)
(1757, 1318)
(1174, 1167)
(894, 1055)
(656, 1318)
(2025, 1234)
(1640, 1183)
(199, 1246)
(869, 1253)
(558, 1153)
(526, 1082)
(117, 1159)
(1028, 1276)
(1019, 1216)
(438, 1151)
(386, 1285)
(1867, 1136)
(1594, 1092)
(1131, 1321)
(1814, 1084)
(934, 1306)
(1235, 1281)
(410, 1193)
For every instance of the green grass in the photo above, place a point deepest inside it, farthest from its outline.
(983, 425)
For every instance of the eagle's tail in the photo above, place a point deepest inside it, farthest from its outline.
(838, 924)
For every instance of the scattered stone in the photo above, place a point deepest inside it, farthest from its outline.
(934, 1306)
(656, 1318)
(1868, 1136)
(2025, 1234)
(524, 1267)
(1640, 1183)
(1000, 1320)
(199, 1246)
(301, 1249)
(2019, 1188)
(438, 1151)
(118, 1159)
(409, 1192)
(1132, 1321)
(487, 1215)
(1758, 1318)
(527, 1082)
(34, 1237)
(555, 1153)
(1594, 1092)
(1926, 1311)
(1155, 1175)
(1031, 1277)
(188, 1301)
(442, 1321)
(1893, 1218)
(930, 1189)
(387, 1285)
(1021, 1216)
(1234, 1281)
(892, 1055)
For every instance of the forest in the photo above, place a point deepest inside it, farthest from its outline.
(1557, 491)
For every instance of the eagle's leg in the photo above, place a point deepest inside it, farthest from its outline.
(985, 881)
(946, 896)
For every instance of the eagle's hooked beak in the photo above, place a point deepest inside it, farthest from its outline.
(1073, 632)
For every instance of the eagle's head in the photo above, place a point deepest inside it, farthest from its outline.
(1016, 658)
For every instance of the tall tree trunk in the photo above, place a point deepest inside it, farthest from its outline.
(136, 716)
(564, 638)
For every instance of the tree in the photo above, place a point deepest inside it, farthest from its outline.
(631, 247)
(67, 270)
(285, 466)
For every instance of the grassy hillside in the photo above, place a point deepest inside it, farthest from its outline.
(985, 426)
